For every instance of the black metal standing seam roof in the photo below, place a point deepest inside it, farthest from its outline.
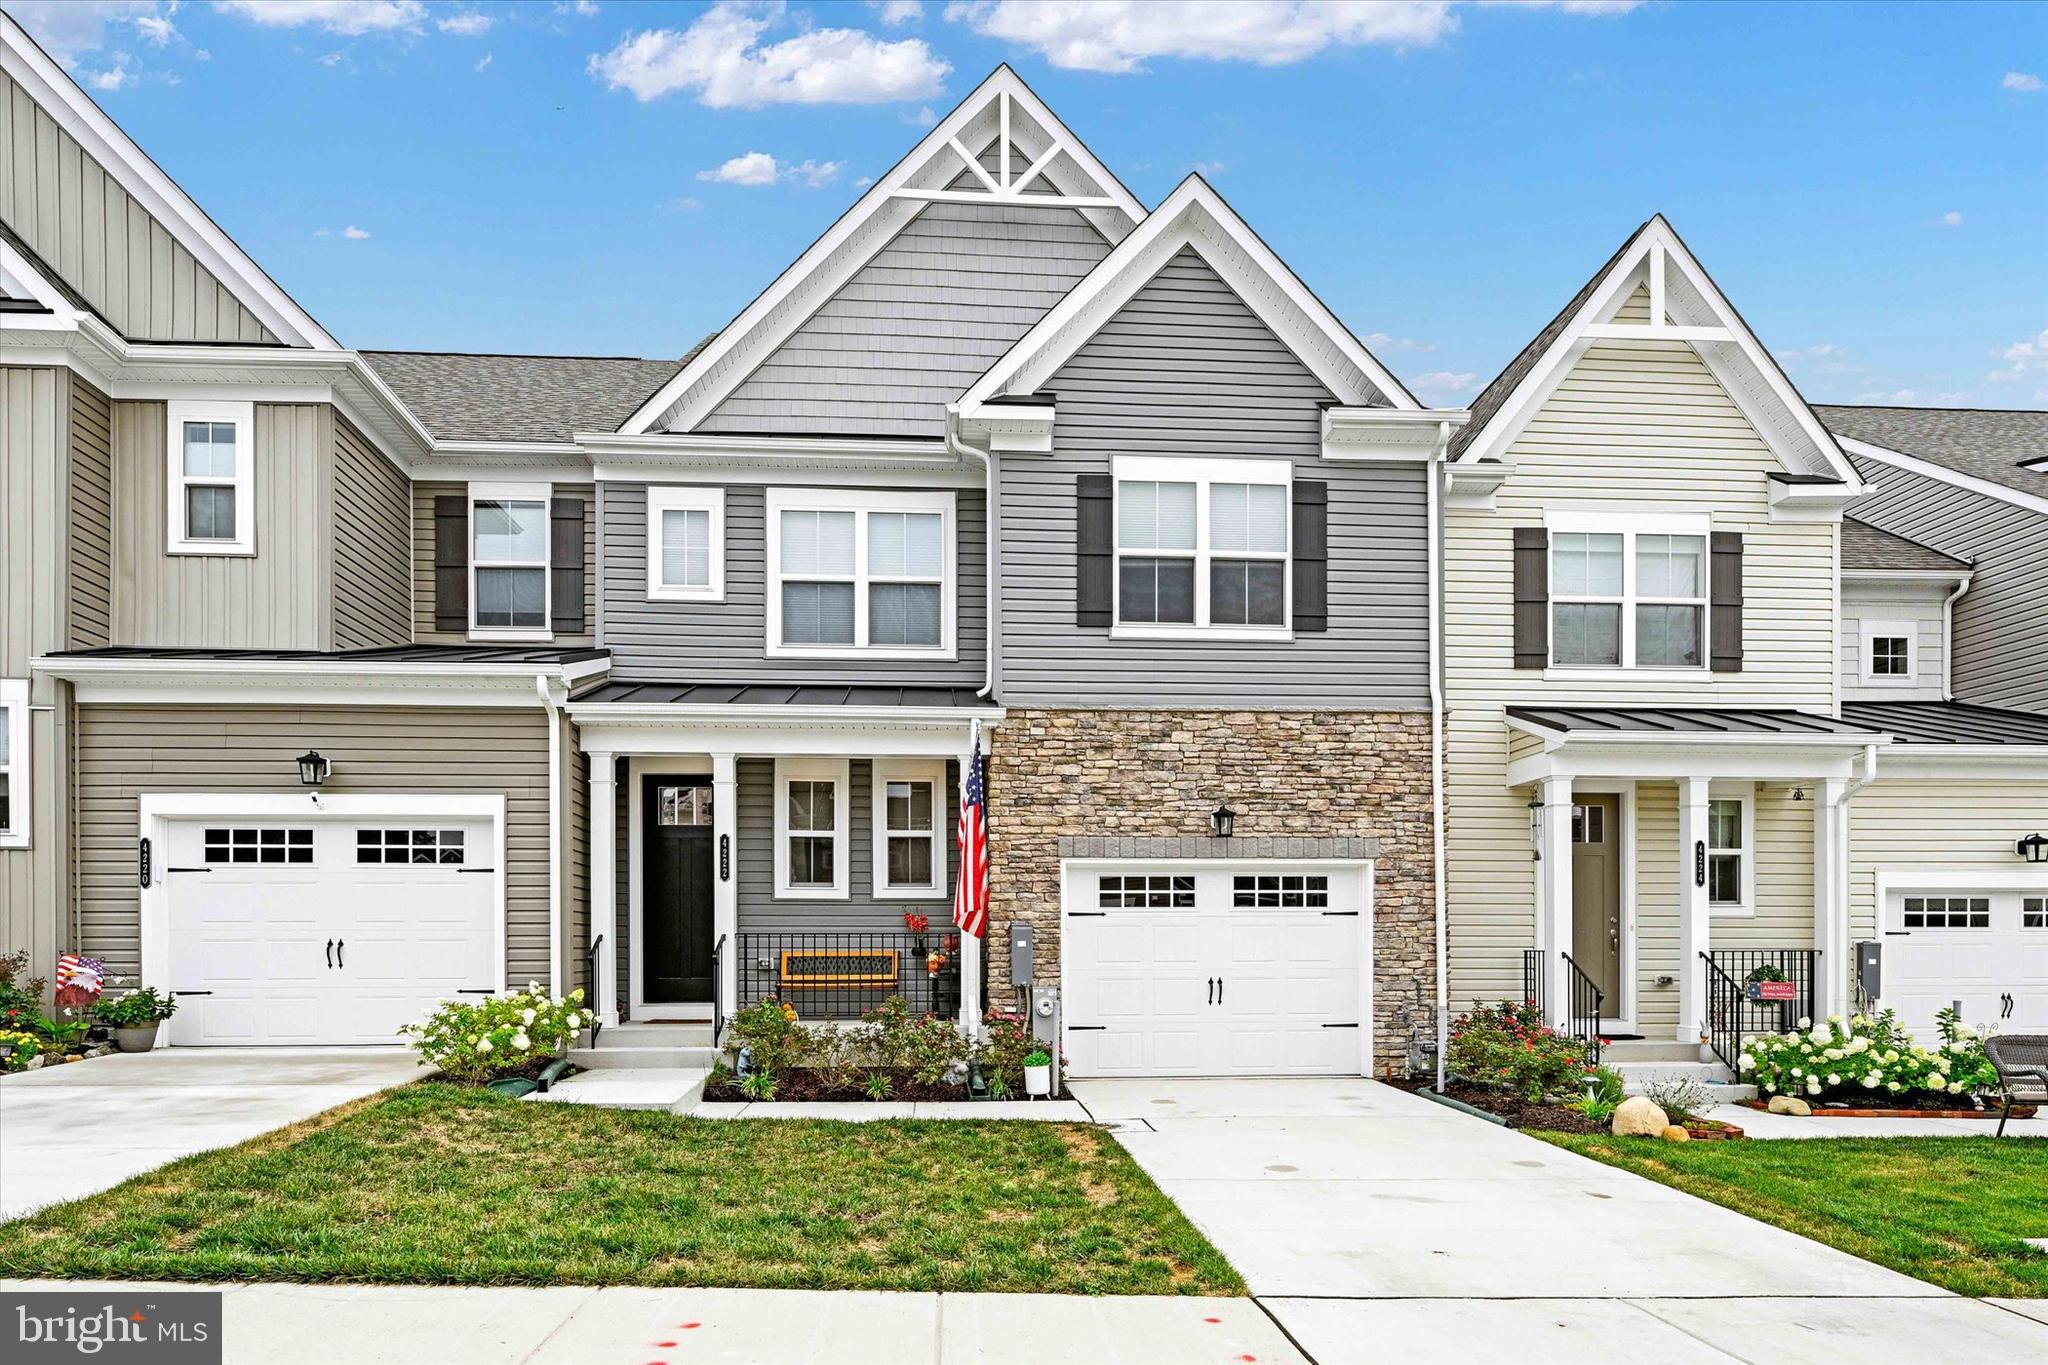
(777, 694)
(1997, 445)
(1948, 722)
(1869, 547)
(342, 658)
(1685, 722)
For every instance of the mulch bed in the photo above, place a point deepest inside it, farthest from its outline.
(1519, 1113)
(811, 1087)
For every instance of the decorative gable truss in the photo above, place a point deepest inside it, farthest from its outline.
(1654, 292)
(1375, 416)
(1027, 158)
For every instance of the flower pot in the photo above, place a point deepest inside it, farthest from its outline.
(139, 1039)
(1038, 1080)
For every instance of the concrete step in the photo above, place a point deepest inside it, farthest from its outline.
(1615, 1054)
(605, 1057)
(655, 1035)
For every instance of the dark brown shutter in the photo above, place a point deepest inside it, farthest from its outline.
(1724, 587)
(1311, 555)
(1094, 551)
(1532, 597)
(565, 560)
(451, 563)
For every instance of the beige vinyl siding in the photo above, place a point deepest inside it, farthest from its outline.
(1916, 606)
(372, 545)
(77, 218)
(126, 751)
(423, 495)
(1637, 429)
(1959, 826)
(277, 598)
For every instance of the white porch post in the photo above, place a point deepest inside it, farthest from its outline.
(1554, 897)
(1830, 896)
(725, 887)
(970, 946)
(604, 886)
(1694, 928)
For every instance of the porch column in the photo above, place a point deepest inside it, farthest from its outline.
(725, 887)
(604, 886)
(1830, 897)
(970, 946)
(1694, 928)
(1554, 896)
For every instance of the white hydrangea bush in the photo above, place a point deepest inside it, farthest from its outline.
(1866, 1058)
(475, 1040)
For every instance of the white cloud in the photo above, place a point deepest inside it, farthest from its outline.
(355, 234)
(329, 59)
(1387, 341)
(1894, 396)
(1949, 219)
(468, 24)
(581, 8)
(894, 12)
(1823, 350)
(2024, 81)
(720, 58)
(759, 168)
(119, 76)
(158, 28)
(483, 63)
(69, 29)
(348, 18)
(1118, 35)
(682, 203)
(2022, 359)
(1441, 384)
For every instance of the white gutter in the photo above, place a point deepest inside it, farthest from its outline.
(1436, 471)
(991, 538)
(1948, 638)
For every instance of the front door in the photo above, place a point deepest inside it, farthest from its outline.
(675, 921)
(1596, 894)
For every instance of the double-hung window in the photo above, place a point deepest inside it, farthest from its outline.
(1202, 546)
(910, 858)
(14, 764)
(210, 478)
(857, 572)
(810, 828)
(1629, 596)
(685, 544)
(1730, 833)
(508, 562)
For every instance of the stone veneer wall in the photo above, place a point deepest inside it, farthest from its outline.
(1055, 773)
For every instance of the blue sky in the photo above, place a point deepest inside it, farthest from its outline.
(1869, 183)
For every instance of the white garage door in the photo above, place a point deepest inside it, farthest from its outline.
(325, 930)
(1987, 948)
(1227, 970)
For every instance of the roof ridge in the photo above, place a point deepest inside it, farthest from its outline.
(1916, 407)
(518, 355)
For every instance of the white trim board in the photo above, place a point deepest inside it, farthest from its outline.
(1914, 464)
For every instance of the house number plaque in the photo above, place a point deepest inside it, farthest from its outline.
(1699, 862)
(725, 857)
(143, 864)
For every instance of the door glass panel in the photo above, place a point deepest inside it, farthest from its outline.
(685, 806)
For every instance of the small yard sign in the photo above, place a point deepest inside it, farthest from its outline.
(1773, 990)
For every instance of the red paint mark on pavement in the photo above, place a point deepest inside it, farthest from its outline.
(686, 1326)
(1212, 1319)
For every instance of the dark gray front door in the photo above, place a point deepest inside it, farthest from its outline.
(675, 918)
(1596, 894)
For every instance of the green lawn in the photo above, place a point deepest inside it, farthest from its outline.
(434, 1184)
(1951, 1211)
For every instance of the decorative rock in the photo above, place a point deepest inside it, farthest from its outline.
(1677, 1134)
(1640, 1117)
(1789, 1104)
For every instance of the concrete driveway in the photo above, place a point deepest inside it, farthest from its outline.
(1374, 1226)
(70, 1131)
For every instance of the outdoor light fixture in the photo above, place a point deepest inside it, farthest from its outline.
(1799, 793)
(313, 768)
(1222, 821)
(2034, 848)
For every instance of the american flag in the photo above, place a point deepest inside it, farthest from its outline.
(970, 899)
(79, 980)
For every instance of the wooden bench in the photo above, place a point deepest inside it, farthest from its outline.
(816, 969)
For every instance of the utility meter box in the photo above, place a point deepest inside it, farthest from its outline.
(1023, 941)
(1045, 1016)
(1870, 968)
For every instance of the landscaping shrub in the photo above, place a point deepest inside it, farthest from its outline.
(497, 1035)
(137, 1009)
(1509, 1047)
(1867, 1058)
(1007, 1041)
(889, 1053)
(768, 1032)
(27, 1047)
(21, 995)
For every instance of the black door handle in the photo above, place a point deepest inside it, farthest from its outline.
(1219, 990)
(1212, 990)
(330, 954)
(339, 944)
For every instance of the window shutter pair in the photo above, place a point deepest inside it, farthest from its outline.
(1095, 553)
(1532, 599)
(451, 564)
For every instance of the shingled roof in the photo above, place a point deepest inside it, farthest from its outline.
(1867, 547)
(1988, 443)
(463, 397)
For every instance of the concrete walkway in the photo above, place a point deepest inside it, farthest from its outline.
(1376, 1226)
(74, 1130)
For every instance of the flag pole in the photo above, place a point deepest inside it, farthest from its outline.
(970, 946)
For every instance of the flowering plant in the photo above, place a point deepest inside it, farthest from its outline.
(1865, 1057)
(1509, 1047)
(137, 1009)
(916, 923)
(26, 1047)
(476, 1040)
(770, 1035)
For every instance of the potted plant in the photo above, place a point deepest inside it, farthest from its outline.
(135, 1016)
(1038, 1073)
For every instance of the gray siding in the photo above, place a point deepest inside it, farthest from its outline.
(372, 545)
(105, 245)
(727, 641)
(423, 495)
(125, 751)
(90, 518)
(917, 325)
(2000, 645)
(1186, 368)
(280, 597)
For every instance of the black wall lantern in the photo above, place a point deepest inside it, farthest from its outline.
(313, 768)
(1222, 822)
(2034, 848)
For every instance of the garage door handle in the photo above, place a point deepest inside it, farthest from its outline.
(1212, 990)
(1219, 990)
(1340, 1026)
(479, 869)
(188, 869)
(339, 944)
(1340, 914)
(330, 954)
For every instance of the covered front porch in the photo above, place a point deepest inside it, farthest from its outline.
(795, 842)
(1690, 867)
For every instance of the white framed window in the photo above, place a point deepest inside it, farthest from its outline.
(1889, 652)
(1202, 548)
(210, 477)
(685, 544)
(860, 573)
(1628, 592)
(508, 561)
(1731, 844)
(910, 801)
(14, 764)
(810, 828)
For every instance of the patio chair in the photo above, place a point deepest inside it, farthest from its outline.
(2022, 1062)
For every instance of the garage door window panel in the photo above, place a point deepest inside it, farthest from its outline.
(410, 847)
(1946, 912)
(1280, 891)
(1163, 891)
(243, 844)
(2034, 912)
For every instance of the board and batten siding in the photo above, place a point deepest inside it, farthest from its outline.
(1186, 368)
(727, 642)
(2000, 646)
(76, 217)
(1643, 429)
(372, 544)
(1914, 605)
(124, 752)
(423, 495)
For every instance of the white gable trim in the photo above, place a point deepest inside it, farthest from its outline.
(1193, 216)
(873, 221)
(20, 279)
(1913, 464)
(74, 111)
(1687, 307)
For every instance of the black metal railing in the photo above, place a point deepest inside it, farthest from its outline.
(841, 975)
(1582, 1020)
(1533, 991)
(1740, 986)
(717, 989)
(590, 960)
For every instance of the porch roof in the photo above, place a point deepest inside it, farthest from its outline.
(1752, 743)
(646, 694)
(1948, 722)
(1680, 722)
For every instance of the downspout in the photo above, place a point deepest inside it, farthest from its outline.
(992, 553)
(1436, 471)
(1948, 638)
(553, 692)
